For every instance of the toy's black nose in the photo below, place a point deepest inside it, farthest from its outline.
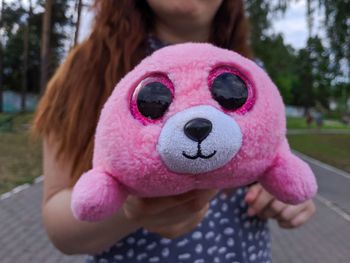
(198, 129)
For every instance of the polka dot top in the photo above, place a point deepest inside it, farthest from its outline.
(226, 234)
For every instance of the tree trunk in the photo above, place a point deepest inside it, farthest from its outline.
(1, 57)
(77, 24)
(26, 39)
(45, 45)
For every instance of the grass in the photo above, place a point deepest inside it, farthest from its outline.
(331, 149)
(300, 123)
(20, 156)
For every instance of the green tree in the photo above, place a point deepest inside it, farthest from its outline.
(14, 26)
(279, 61)
(315, 75)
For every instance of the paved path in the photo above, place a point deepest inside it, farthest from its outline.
(326, 239)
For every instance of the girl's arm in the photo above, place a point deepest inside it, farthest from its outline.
(170, 216)
(68, 234)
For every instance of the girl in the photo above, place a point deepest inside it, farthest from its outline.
(198, 226)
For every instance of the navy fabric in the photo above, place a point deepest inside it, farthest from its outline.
(226, 234)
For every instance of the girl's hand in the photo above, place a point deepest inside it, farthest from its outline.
(265, 206)
(170, 216)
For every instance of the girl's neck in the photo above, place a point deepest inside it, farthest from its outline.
(181, 32)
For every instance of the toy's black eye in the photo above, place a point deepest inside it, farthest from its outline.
(153, 100)
(229, 90)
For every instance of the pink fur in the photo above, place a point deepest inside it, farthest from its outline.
(126, 160)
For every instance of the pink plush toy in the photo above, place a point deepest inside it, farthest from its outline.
(190, 116)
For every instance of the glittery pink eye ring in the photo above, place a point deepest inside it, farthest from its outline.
(231, 89)
(151, 98)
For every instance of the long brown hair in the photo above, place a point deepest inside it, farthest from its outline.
(71, 105)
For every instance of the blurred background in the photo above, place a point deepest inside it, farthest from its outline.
(304, 46)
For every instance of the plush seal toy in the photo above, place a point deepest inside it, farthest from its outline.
(190, 116)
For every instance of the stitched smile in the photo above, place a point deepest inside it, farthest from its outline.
(199, 154)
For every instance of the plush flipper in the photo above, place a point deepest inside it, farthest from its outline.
(96, 196)
(289, 179)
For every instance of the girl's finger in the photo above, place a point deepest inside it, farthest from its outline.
(290, 212)
(261, 201)
(136, 207)
(252, 193)
(273, 209)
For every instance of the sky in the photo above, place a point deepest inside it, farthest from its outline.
(292, 25)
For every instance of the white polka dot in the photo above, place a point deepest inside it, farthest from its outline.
(141, 242)
(184, 256)
(228, 231)
(103, 260)
(183, 242)
(217, 214)
(216, 260)
(224, 221)
(130, 240)
(214, 202)
(222, 250)
(165, 252)
(209, 235)
(118, 257)
(251, 249)
(233, 199)
(199, 248)
(246, 224)
(211, 224)
(130, 253)
(243, 244)
(212, 249)
(218, 238)
(165, 241)
(119, 244)
(197, 235)
(230, 242)
(224, 207)
(230, 256)
(199, 261)
(151, 246)
(141, 256)
(223, 196)
(252, 257)
(250, 236)
(239, 191)
(236, 211)
(154, 259)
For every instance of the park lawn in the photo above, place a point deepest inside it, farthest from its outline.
(20, 155)
(300, 123)
(331, 149)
